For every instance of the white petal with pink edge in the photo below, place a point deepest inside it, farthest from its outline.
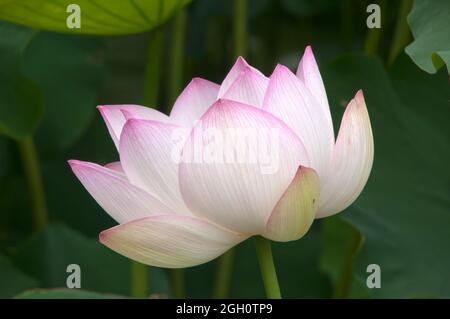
(116, 166)
(195, 99)
(308, 72)
(240, 67)
(149, 154)
(238, 187)
(114, 117)
(249, 87)
(288, 99)
(170, 241)
(120, 199)
(352, 159)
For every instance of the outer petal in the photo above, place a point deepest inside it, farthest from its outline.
(296, 209)
(121, 200)
(170, 241)
(116, 166)
(195, 99)
(239, 68)
(309, 73)
(149, 153)
(249, 87)
(352, 159)
(289, 99)
(238, 192)
(114, 117)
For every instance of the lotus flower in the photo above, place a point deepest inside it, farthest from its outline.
(179, 213)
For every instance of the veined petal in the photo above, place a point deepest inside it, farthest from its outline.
(248, 88)
(150, 153)
(239, 68)
(195, 99)
(352, 159)
(114, 117)
(309, 73)
(116, 166)
(170, 241)
(288, 99)
(120, 199)
(296, 209)
(143, 113)
(247, 158)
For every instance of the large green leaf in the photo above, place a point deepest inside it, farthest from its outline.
(69, 70)
(298, 267)
(47, 256)
(341, 242)
(67, 200)
(13, 280)
(404, 211)
(20, 99)
(112, 17)
(429, 22)
(63, 294)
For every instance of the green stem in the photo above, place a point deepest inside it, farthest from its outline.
(177, 283)
(223, 275)
(152, 69)
(401, 33)
(139, 280)
(240, 27)
(372, 41)
(33, 177)
(267, 267)
(373, 37)
(176, 56)
(344, 282)
(225, 262)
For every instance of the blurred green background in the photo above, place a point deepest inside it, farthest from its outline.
(145, 52)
